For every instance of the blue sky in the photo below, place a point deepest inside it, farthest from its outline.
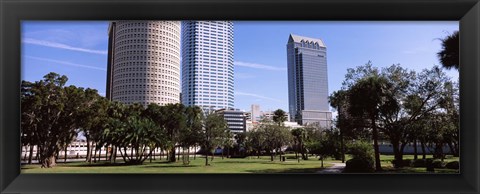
(79, 51)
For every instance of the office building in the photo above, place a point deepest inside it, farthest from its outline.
(308, 81)
(207, 64)
(255, 113)
(144, 62)
(235, 119)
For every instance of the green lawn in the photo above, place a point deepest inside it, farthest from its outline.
(387, 165)
(218, 165)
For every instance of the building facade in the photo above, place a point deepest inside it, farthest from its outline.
(207, 64)
(308, 81)
(144, 62)
(236, 120)
(255, 113)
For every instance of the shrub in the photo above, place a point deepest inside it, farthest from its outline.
(438, 164)
(419, 163)
(361, 150)
(402, 163)
(359, 166)
(453, 165)
(362, 158)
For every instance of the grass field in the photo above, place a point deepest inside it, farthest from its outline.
(219, 165)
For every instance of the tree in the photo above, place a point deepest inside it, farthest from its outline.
(173, 122)
(323, 143)
(255, 141)
(279, 116)
(92, 118)
(29, 106)
(449, 55)
(52, 117)
(214, 128)
(299, 135)
(190, 134)
(368, 106)
(274, 137)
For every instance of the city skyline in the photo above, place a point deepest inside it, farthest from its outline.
(78, 50)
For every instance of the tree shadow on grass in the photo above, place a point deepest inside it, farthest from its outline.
(171, 166)
(287, 170)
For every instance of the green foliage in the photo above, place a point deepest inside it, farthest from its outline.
(453, 165)
(362, 157)
(359, 166)
(362, 150)
(419, 163)
(449, 55)
(279, 116)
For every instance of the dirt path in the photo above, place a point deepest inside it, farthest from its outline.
(336, 168)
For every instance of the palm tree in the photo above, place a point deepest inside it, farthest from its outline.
(449, 55)
(279, 116)
(366, 98)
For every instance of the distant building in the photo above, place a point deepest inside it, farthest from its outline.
(255, 112)
(235, 119)
(308, 81)
(269, 115)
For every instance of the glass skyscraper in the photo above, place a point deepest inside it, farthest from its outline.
(207, 64)
(308, 81)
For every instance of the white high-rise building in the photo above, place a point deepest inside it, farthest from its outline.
(255, 112)
(207, 64)
(144, 62)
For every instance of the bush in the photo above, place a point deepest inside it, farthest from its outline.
(362, 158)
(453, 165)
(438, 164)
(361, 150)
(402, 163)
(359, 166)
(419, 163)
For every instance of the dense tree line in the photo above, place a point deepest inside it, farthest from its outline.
(54, 114)
(400, 106)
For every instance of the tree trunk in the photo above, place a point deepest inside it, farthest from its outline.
(223, 149)
(89, 151)
(195, 152)
(49, 162)
(30, 155)
(206, 159)
(100, 154)
(342, 146)
(424, 154)
(321, 158)
(271, 156)
(378, 166)
(114, 154)
(172, 155)
(25, 154)
(452, 150)
(396, 152)
(415, 152)
(66, 149)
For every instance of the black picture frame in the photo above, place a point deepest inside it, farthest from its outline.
(12, 12)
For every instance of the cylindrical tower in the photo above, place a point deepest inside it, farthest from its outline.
(144, 62)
